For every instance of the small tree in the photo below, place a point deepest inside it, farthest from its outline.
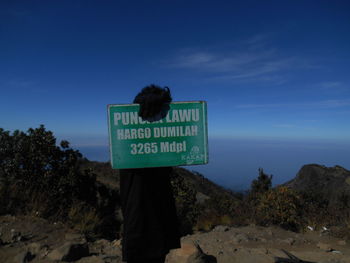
(262, 184)
(280, 206)
(258, 187)
(37, 175)
(185, 199)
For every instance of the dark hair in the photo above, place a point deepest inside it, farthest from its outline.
(152, 100)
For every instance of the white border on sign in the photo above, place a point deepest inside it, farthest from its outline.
(205, 126)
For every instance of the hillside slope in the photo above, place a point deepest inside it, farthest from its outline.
(332, 183)
(203, 186)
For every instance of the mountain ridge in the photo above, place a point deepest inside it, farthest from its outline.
(330, 182)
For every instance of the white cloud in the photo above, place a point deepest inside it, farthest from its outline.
(216, 62)
(246, 61)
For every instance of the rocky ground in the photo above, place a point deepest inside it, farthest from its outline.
(31, 239)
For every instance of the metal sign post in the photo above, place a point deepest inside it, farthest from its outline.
(178, 139)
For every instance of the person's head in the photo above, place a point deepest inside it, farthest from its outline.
(154, 102)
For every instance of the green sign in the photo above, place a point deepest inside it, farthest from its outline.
(178, 139)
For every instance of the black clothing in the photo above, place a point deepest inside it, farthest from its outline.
(150, 220)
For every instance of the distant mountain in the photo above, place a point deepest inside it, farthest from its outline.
(331, 182)
(204, 187)
(104, 173)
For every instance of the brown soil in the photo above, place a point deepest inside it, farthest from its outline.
(19, 234)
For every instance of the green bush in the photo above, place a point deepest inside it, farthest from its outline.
(40, 178)
(85, 219)
(37, 174)
(185, 200)
(280, 206)
(260, 185)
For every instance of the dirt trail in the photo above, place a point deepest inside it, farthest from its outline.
(31, 239)
(262, 244)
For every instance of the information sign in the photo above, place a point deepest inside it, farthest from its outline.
(178, 139)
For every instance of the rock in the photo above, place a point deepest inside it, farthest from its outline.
(239, 238)
(34, 248)
(324, 247)
(248, 255)
(261, 239)
(74, 236)
(15, 235)
(333, 260)
(341, 242)
(181, 255)
(23, 257)
(290, 241)
(102, 242)
(69, 251)
(235, 240)
(45, 252)
(38, 250)
(270, 233)
(285, 256)
(221, 228)
(91, 259)
(103, 246)
(111, 258)
(200, 257)
(262, 250)
(189, 253)
(117, 243)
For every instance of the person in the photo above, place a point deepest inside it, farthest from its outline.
(150, 227)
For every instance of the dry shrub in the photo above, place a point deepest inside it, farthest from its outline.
(85, 219)
(280, 206)
(207, 221)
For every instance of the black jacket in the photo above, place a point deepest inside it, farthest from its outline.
(151, 226)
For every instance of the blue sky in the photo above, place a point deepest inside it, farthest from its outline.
(267, 69)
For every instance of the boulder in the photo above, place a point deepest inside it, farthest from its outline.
(74, 236)
(91, 259)
(201, 258)
(69, 251)
(221, 228)
(241, 237)
(341, 242)
(104, 246)
(37, 249)
(324, 247)
(189, 253)
(117, 243)
(15, 235)
(290, 241)
(34, 248)
(23, 257)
